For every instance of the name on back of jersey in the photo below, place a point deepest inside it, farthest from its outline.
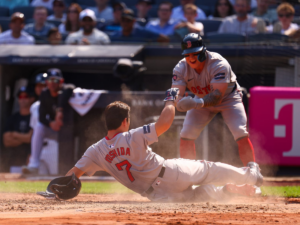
(116, 152)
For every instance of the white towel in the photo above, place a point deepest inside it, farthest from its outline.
(84, 99)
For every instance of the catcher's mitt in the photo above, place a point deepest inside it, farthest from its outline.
(62, 188)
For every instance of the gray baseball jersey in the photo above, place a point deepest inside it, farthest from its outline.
(127, 157)
(216, 70)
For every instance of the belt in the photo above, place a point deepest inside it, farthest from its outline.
(161, 175)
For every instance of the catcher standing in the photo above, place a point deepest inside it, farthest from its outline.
(209, 76)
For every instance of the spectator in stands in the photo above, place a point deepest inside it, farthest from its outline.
(88, 35)
(72, 23)
(14, 3)
(143, 7)
(103, 10)
(242, 23)
(190, 13)
(54, 37)
(263, 11)
(132, 33)
(42, 3)
(58, 11)
(17, 134)
(223, 8)
(164, 25)
(16, 35)
(114, 25)
(284, 26)
(40, 28)
(178, 12)
(52, 101)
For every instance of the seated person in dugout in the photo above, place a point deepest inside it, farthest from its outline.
(125, 154)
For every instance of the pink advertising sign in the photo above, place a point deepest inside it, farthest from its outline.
(274, 125)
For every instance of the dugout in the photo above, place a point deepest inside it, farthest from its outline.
(91, 67)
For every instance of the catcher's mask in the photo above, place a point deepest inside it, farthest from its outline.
(65, 187)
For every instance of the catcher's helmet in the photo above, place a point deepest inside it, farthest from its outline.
(193, 43)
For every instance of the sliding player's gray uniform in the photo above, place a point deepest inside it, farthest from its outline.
(129, 159)
(216, 70)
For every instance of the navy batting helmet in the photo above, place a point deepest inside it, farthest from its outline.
(193, 43)
(40, 78)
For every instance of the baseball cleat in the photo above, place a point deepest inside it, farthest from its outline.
(260, 178)
(29, 170)
(244, 190)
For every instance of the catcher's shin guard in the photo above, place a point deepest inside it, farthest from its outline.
(246, 150)
(187, 149)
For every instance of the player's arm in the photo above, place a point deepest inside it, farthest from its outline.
(167, 115)
(24, 138)
(75, 170)
(181, 88)
(215, 96)
(10, 141)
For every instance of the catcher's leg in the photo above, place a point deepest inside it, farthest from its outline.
(235, 117)
(194, 123)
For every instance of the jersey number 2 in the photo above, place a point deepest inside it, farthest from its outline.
(128, 166)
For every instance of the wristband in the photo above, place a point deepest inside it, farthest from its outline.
(200, 103)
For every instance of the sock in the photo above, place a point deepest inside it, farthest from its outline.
(246, 150)
(187, 149)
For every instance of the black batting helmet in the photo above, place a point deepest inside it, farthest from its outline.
(193, 43)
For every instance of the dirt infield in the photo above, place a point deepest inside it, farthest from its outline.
(134, 209)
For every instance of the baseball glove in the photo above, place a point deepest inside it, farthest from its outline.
(62, 188)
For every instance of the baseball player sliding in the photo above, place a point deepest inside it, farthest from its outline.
(125, 154)
(209, 76)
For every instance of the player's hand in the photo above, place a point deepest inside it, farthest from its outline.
(186, 103)
(59, 118)
(54, 126)
(85, 41)
(171, 94)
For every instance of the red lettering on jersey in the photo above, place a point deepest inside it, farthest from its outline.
(122, 151)
(115, 153)
(128, 151)
(208, 87)
(193, 89)
(108, 159)
(112, 154)
(205, 89)
(118, 151)
(199, 90)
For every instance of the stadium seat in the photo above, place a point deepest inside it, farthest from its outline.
(4, 12)
(4, 22)
(225, 38)
(87, 3)
(27, 11)
(206, 9)
(210, 3)
(210, 25)
(55, 22)
(267, 38)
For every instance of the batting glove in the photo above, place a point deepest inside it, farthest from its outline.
(171, 94)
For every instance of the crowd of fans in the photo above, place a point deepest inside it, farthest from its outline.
(107, 21)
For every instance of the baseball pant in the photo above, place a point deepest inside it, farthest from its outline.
(232, 110)
(39, 133)
(181, 174)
